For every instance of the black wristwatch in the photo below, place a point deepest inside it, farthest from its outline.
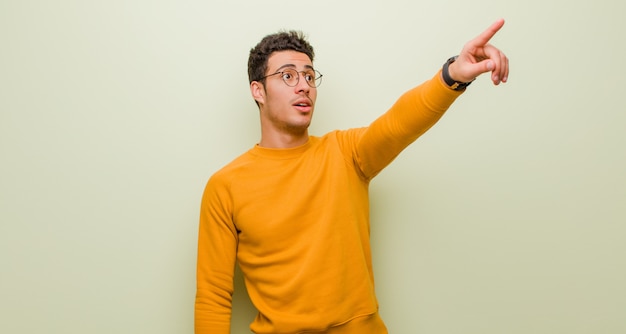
(455, 85)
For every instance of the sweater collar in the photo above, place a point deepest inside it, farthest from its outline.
(280, 153)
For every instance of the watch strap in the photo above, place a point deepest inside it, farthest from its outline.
(453, 84)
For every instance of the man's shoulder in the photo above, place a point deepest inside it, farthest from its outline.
(230, 170)
(343, 137)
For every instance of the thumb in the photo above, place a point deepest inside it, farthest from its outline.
(490, 66)
(467, 70)
(484, 66)
(476, 69)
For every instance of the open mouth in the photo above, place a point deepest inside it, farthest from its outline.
(303, 105)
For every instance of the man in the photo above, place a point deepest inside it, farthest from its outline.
(293, 211)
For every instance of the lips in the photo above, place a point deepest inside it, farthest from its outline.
(304, 105)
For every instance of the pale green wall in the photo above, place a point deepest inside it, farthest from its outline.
(507, 217)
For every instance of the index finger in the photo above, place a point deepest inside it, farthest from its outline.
(486, 35)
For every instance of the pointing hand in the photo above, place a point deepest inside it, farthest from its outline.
(478, 57)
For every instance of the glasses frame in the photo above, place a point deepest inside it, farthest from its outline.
(313, 83)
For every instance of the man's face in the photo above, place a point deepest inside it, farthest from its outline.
(287, 109)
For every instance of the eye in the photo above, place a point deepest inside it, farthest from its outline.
(287, 75)
(308, 76)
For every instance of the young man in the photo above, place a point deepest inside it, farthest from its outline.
(293, 211)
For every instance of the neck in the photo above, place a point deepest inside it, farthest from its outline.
(284, 140)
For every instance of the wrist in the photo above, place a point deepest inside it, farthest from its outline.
(448, 79)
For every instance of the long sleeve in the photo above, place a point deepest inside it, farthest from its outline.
(414, 113)
(217, 246)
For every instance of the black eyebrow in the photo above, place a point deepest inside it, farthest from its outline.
(292, 65)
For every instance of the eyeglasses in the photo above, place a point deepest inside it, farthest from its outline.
(291, 77)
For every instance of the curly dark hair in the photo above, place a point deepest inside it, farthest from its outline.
(280, 41)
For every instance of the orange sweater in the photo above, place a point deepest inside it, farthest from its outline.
(297, 221)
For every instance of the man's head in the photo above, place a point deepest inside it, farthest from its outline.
(282, 41)
(284, 84)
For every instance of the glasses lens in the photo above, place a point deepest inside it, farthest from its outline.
(290, 77)
(313, 78)
(309, 76)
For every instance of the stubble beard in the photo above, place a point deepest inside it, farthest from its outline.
(295, 129)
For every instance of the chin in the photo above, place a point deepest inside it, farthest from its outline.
(299, 128)
(303, 122)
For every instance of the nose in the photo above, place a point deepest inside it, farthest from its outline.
(302, 85)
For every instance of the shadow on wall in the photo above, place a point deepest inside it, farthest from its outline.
(243, 310)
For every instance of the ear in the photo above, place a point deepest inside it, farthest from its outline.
(258, 92)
